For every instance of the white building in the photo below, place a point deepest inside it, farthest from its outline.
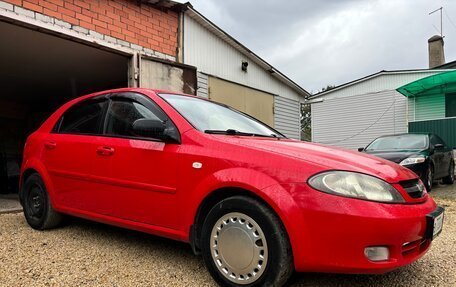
(353, 114)
(260, 90)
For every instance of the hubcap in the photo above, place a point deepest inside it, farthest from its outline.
(35, 202)
(239, 248)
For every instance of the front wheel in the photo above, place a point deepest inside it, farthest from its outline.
(429, 178)
(245, 244)
(450, 178)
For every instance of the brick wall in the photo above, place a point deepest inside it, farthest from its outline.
(125, 20)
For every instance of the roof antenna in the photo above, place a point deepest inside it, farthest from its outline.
(441, 21)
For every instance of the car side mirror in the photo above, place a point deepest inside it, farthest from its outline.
(151, 128)
(360, 149)
(438, 146)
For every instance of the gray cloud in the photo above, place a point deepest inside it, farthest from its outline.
(317, 43)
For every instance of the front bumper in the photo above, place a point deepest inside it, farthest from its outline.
(336, 230)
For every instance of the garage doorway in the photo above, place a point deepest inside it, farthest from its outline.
(38, 73)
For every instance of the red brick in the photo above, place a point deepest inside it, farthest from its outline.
(67, 12)
(105, 19)
(56, 2)
(32, 6)
(48, 5)
(52, 13)
(71, 20)
(115, 28)
(83, 17)
(102, 30)
(117, 35)
(15, 2)
(87, 25)
(81, 4)
(89, 13)
(99, 23)
(113, 15)
(72, 7)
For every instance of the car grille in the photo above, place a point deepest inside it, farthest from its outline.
(413, 187)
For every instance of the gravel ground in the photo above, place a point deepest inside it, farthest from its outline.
(83, 253)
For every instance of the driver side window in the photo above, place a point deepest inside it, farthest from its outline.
(122, 114)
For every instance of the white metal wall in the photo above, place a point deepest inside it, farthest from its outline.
(382, 82)
(286, 117)
(214, 56)
(355, 121)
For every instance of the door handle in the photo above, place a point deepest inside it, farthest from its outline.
(105, 151)
(50, 145)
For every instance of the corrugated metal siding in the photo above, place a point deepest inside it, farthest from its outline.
(355, 121)
(445, 128)
(202, 84)
(385, 82)
(286, 117)
(213, 56)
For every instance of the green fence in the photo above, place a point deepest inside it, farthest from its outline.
(445, 128)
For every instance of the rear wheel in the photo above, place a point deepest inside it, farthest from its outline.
(38, 209)
(450, 178)
(245, 244)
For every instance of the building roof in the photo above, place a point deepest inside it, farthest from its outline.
(449, 65)
(369, 77)
(202, 20)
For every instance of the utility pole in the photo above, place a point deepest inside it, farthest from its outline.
(441, 19)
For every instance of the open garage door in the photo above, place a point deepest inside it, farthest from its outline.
(38, 73)
(250, 101)
(164, 75)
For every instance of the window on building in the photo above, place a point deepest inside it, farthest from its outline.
(450, 105)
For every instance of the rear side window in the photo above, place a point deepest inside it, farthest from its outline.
(84, 118)
(123, 113)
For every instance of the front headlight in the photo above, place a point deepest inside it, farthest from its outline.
(413, 160)
(355, 185)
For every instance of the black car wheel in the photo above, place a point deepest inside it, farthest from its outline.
(38, 210)
(450, 178)
(429, 178)
(245, 244)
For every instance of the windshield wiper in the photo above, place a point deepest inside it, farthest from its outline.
(232, 132)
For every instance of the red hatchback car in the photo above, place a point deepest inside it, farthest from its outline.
(255, 204)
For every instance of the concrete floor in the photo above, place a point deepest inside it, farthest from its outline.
(9, 203)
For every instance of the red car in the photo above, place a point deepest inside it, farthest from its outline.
(255, 204)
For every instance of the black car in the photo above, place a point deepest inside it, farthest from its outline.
(425, 154)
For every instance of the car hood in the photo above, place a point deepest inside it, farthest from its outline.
(331, 158)
(394, 156)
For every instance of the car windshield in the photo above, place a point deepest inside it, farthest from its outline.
(413, 142)
(215, 118)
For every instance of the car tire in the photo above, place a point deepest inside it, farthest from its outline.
(245, 244)
(450, 178)
(38, 209)
(429, 178)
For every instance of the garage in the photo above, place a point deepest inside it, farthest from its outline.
(38, 73)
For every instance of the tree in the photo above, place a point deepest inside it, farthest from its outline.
(306, 120)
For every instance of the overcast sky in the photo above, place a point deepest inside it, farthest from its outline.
(330, 42)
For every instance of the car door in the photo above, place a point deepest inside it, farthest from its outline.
(142, 180)
(68, 152)
(446, 156)
(437, 156)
